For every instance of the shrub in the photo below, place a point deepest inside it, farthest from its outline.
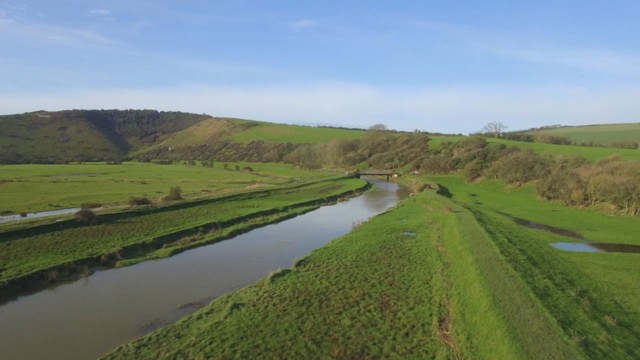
(174, 194)
(90, 205)
(134, 201)
(86, 217)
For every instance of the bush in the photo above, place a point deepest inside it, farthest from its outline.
(86, 217)
(90, 205)
(174, 194)
(134, 201)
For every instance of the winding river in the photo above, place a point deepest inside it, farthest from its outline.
(89, 317)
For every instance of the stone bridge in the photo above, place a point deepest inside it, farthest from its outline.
(388, 173)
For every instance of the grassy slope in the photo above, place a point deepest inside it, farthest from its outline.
(280, 133)
(590, 153)
(31, 188)
(378, 292)
(36, 249)
(599, 134)
(592, 296)
(40, 136)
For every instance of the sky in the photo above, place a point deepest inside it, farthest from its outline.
(443, 66)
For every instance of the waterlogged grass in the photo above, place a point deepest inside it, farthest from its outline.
(31, 188)
(420, 281)
(30, 250)
(593, 297)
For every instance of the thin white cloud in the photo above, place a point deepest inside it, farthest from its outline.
(455, 110)
(539, 49)
(592, 60)
(56, 35)
(303, 24)
(99, 12)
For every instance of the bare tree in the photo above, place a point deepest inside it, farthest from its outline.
(494, 128)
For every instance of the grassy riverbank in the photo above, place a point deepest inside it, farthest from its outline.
(38, 255)
(592, 296)
(437, 277)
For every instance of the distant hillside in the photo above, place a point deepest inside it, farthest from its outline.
(85, 135)
(112, 135)
(615, 135)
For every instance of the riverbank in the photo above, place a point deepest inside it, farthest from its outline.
(396, 286)
(36, 257)
(443, 275)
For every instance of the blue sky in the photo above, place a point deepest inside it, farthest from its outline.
(447, 66)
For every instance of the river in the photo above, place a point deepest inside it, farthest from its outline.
(87, 318)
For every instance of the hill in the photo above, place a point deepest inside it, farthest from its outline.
(85, 135)
(615, 135)
(113, 135)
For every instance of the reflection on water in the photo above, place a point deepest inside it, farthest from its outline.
(581, 247)
(574, 247)
(597, 247)
(89, 317)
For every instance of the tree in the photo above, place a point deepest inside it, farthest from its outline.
(494, 128)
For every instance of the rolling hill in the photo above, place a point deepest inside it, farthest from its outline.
(113, 135)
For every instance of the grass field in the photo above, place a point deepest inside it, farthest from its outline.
(31, 188)
(279, 133)
(598, 134)
(590, 153)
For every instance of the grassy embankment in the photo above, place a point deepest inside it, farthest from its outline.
(593, 297)
(33, 256)
(29, 188)
(589, 153)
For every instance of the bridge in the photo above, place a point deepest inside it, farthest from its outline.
(388, 173)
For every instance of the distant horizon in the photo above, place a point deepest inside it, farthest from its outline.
(434, 66)
(318, 124)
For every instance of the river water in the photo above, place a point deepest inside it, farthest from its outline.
(89, 317)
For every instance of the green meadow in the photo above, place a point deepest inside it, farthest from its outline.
(598, 134)
(280, 133)
(32, 188)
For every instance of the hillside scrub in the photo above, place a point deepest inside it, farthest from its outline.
(570, 179)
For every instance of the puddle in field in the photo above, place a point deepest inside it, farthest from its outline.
(597, 247)
(580, 247)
